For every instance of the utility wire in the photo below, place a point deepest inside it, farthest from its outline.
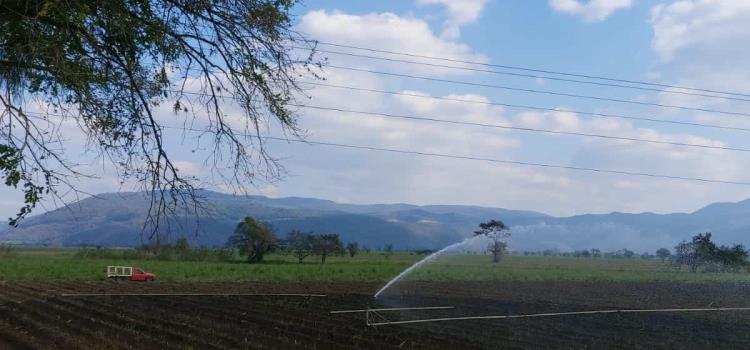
(526, 75)
(507, 127)
(527, 69)
(503, 161)
(538, 108)
(497, 126)
(489, 160)
(535, 91)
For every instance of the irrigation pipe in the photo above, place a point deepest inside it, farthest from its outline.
(465, 318)
(392, 309)
(190, 295)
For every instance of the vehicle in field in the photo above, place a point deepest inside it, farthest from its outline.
(129, 272)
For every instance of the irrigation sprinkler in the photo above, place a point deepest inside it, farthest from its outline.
(552, 314)
(374, 316)
(191, 295)
(392, 309)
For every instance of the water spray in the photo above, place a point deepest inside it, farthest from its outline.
(425, 260)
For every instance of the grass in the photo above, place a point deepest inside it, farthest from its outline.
(555, 268)
(67, 264)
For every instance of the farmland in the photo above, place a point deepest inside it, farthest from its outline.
(37, 312)
(35, 315)
(67, 264)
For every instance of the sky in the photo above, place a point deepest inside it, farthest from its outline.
(694, 43)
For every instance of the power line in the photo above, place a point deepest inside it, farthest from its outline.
(507, 127)
(489, 160)
(513, 162)
(498, 126)
(548, 109)
(489, 103)
(535, 91)
(587, 76)
(526, 75)
(571, 133)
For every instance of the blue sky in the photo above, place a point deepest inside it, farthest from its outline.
(699, 43)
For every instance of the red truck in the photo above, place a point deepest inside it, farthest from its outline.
(132, 273)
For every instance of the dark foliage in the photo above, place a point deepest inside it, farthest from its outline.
(106, 66)
(702, 252)
(300, 244)
(352, 248)
(327, 244)
(498, 233)
(252, 238)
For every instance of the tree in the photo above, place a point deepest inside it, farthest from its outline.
(253, 239)
(685, 254)
(327, 244)
(628, 253)
(696, 252)
(705, 249)
(108, 66)
(732, 258)
(352, 248)
(182, 245)
(300, 244)
(663, 253)
(498, 233)
(596, 253)
(388, 251)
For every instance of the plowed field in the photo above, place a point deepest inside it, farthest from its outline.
(36, 315)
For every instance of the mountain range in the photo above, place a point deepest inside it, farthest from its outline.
(116, 219)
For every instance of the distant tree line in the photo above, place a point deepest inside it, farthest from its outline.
(251, 239)
(179, 250)
(585, 253)
(7, 250)
(698, 253)
(254, 239)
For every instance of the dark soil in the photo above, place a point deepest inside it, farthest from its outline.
(34, 315)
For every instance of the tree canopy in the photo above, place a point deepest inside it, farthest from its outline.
(106, 67)
(300, 244)
(700, 251)
(327, 244)
(497, 232)
(253, 239)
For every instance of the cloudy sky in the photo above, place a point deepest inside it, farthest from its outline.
(695, 43)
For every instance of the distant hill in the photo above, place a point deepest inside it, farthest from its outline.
(116, 219)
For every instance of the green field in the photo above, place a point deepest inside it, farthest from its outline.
(68, 264)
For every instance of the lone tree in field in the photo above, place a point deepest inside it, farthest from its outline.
(253, 239)
(596, 253)
(498, 233)
(327, 244)
(109, 67)
(388, 251)
(352, 248)
(300, 244)
(663, 253)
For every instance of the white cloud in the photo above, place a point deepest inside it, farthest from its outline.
(188, 168)
(591, 11)
(460, 12)
(712, 24)
(385, 31)
(700, 44)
